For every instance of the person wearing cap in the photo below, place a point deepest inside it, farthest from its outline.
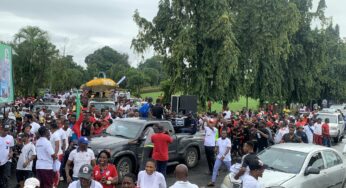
(6, 153)
(31, 183)
(79, 157)
(85, 178)
(209, 143)
(45, 158)
(161, 140)
(25, 160)
(257, 168)
(301, 134)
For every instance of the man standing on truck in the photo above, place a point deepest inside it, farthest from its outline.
(161, 140)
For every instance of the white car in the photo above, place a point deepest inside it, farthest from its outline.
(293, 165)
(336, 123)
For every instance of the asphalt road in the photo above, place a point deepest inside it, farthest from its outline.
(198, 174)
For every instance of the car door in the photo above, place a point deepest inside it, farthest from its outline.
(315, 180)
(172, 148)
(341, 124)
(334, 169)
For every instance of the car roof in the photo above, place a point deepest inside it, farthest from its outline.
(300, 147)
(329, 113)
(141, 120)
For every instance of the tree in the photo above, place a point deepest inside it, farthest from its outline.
(154, 68)
(197, 43)
(136, 80)
(33, 55)
(103, 59)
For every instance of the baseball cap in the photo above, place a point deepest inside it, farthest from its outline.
(257, 165)
(83, 140)
(31, 183)
(85, 171)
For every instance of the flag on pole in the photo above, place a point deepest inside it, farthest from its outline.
(78, 105)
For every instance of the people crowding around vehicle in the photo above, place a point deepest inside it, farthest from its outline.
(41, 137)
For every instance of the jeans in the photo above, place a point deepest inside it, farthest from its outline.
(326, 141)
(161, 167)
(210, 155)
(217, 166)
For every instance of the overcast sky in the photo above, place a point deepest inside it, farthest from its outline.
(83, 26)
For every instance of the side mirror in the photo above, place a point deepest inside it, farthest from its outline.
(311, 170)
(143, 138)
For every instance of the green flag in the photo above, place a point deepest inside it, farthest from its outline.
(78, 105)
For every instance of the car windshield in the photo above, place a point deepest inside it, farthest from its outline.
(99, 106)
(124, 129)
(332, 118)
(287, 161)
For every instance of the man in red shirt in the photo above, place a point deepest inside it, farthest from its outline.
(325, 133)
(161, 140)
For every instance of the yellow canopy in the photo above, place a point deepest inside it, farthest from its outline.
(101, 84)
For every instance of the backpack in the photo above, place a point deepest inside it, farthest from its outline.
(144, 110)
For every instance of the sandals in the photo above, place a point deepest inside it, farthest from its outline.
(211, 184)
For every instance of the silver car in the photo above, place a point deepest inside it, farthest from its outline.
(300, 166)
(336, 124)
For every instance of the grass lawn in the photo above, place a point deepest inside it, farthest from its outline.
(216, 106)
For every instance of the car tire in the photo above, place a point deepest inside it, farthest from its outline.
(124, 166)
(191, 157)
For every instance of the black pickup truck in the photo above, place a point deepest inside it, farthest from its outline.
(125, 139)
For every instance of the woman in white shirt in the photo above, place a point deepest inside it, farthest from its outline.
(150, 178)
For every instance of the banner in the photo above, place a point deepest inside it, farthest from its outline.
(6, 72)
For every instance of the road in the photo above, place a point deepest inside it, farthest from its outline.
(196, 175)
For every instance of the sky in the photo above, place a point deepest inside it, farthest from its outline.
(83, 26)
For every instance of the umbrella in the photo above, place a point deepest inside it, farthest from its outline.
(101, 84)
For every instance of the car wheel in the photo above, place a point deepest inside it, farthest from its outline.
(124, 166)
(191, 157)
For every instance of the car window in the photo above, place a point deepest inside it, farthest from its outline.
(316, 161)
(332, 118)
(167, 126)
(332, 158)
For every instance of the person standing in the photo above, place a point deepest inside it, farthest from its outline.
(302, 135)
(150, 178)
(161, 140)
(318, 132)
(291, 137)
(104, 172)
(45, 158)
(262, 137)
(55, 140)
(256, 170)
(79, 157)
(25, 160)
(147, 145)
(309, 130)
(129, 181)
(6, 149)
(249, 156)
(157, 111)
(34, 126)
(181, 174)
(85, 178)
(209, 143)
(223, 148)
(325, 133)
(281, 132)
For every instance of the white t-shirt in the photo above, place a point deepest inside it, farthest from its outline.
(80, 158)
(28, 151)
(280, 133)
(183, 184)
(318, 129)
(68, 134)
(9, 142)
(56, 136)
(223, 144)
(210, 136)
(44, 151)
(156, 180)
(74, 184)
(3, 152)
(228, 114)
(34, 127)
(250, 182)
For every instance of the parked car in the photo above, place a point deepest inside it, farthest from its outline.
(336, 123)
(292, 165)
(125, 139)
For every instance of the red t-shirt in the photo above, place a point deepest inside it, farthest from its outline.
(161, 141)
(325, 129)
(109, 172)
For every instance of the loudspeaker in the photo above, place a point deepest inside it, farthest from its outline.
(175, 104)
(188, 103)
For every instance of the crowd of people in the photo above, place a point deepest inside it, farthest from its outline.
(53, 145)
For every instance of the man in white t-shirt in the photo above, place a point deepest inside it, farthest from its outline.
(318, 132)
(34, 126)
(56, 141)
(6, 149)
(256, 170)
(45, 158)
(24, 164)
(181, 174)
(227, 113)
(223, 148)
(85, 178)
(209, 143)
(80, 156)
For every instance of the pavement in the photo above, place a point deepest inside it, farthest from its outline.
(198, 174)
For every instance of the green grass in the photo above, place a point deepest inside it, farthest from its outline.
(216, 106)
